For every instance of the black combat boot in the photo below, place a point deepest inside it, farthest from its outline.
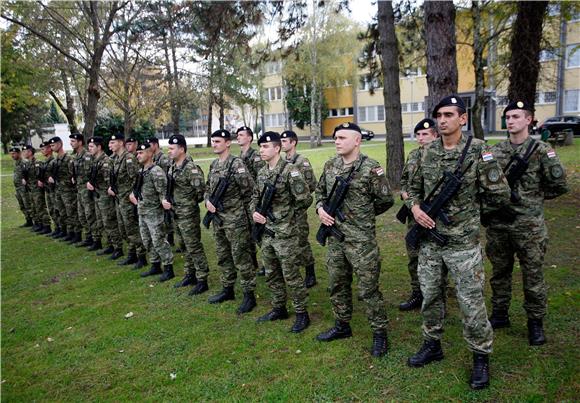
(430, 351)
(274, 314)
(226, 294)
(188, 279)
(168, 273)
(536, 335)
(153, 270)
(341, 330)
(131, 258)
(480, 372)
(28, 223)
(57, 230)
(76, 238)
(36, 227)
(69, 236)
(414, 302)
(248, 303)
(310, 277)
(117, 254)
(171, 239)
(199, 288)
(96, 245)
(380, 343)
(141, 262)
(107, 251)
(499, 319)
(45, 230)
(61, 234)
(302, 322)
(87, 242)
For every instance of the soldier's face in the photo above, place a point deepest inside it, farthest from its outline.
(175, 151)
(154, 146)
(346, 141)
(517, 121)
(450, 120)
(56, 146)
(74, 143)
(115, 145)
(219, 145)
(288, 145)
(15, 156)
(144, 156)
(244, 138)
(93, 148)
(268, 151)
(27, 154)
(46, 151)
(131, 147)
(425, 136)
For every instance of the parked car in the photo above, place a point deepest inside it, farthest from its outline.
(559, 123)
(367, 134)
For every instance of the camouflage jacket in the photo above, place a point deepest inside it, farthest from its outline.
(31, 173)
(368, 196)
(20, 172)
(153, 190)
(236, 201)
(125, 169)
(409, 169)
(48, 167)
(253, 162)
(303, 164)
(189, 186)
(291, 199)
(162, 160)
(62, 172)
(103, 166)
(483, 183)
(545, 177)
(82, 163)
(36, 173)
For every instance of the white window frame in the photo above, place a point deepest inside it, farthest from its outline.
(577, 101)
(576, 48)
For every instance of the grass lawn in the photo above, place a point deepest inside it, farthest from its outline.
(65, 336)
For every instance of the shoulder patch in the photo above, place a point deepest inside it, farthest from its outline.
(294, 173)
(487, 156)
(241, 170)
(194, 170)
(378, 171)
(493, 175)
(556, 171)
(551, 153)
(129, 160)
(306, 163)
(257, 159)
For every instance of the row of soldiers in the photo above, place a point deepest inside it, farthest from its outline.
(451, 184)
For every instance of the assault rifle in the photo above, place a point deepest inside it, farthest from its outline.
(169, 215)
(404, 214)
(433, 205)
(216, 199)
(93, 181)
(264, 208)
(113, 184)
(137, 186)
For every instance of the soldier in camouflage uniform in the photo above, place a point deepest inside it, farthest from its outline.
(188, 191)
(104, 204)
(520, 229)
(483, 183)
(368, 196)
(37, 191)
(112, 182)
(281, 241)
(252, 160)
(232, 234)
(131, 146)
(425, 133)
(148, 195)
(65, 191)
(289, 143)
(20, 185)
(81, 165)
(49, 189)
(37, 207)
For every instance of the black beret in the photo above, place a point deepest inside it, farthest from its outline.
(43, 144)
(451, 100)
(346, 126)
(117, 136)
(289, 134)
(15, 150)
(55, 140)
(268, 137)
(77, 136)
(245, 129)
(131, 140)
(143, 146)
(96, 140)
(178, 139)
(424, 124)
(222, 133)
(152, 140)
(518, 105)
(28, 147)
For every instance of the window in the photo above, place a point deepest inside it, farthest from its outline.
(275, 120)
(365, 83)
(547, 55)
(341, 112)
(273, 68)
(571, 98)
(502, 100)
(274, 93)
(375, 113)
(548, 97)
(573, 56)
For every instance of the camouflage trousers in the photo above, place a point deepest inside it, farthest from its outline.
(233, 248)
(40, 210)
(306, 256)
(120, 222)
(154, 237)
(188, 225)
(107, 215)
(130, 223)
(23, 198)
(282, 263)
(466, 268)
(363, 259)
(51, 205)
(413, 255)
(86, 210)
(527, 239)
(66, 203)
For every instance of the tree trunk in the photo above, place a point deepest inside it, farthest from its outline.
(561, 67)
(209, 119)
(441, 50)
(478, 64)
(314, 90)
(69, 109)
(525, 51)
(176, 113)
(391, 93)
(93, 95)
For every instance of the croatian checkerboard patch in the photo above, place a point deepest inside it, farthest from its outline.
(551, 153)
(487, 156)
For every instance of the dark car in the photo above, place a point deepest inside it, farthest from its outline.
(560, 123)
(367, 134)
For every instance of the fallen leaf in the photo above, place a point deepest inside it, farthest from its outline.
(172, 376)
(151, 286)
(121, 351)
(49, 339)
(298, 351)
(553, 266)
(37, 345)
(69, 328)
(129, 315)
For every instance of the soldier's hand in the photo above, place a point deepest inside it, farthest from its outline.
(110, 192)
(24, 181)
(90, 187)
(40, 184)
(404, 196)
(259, 218)
(133, 199)
(166, 205)
(422, 218)
(210, 207)
(325, 218)
(50, 180)
(73, 181)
